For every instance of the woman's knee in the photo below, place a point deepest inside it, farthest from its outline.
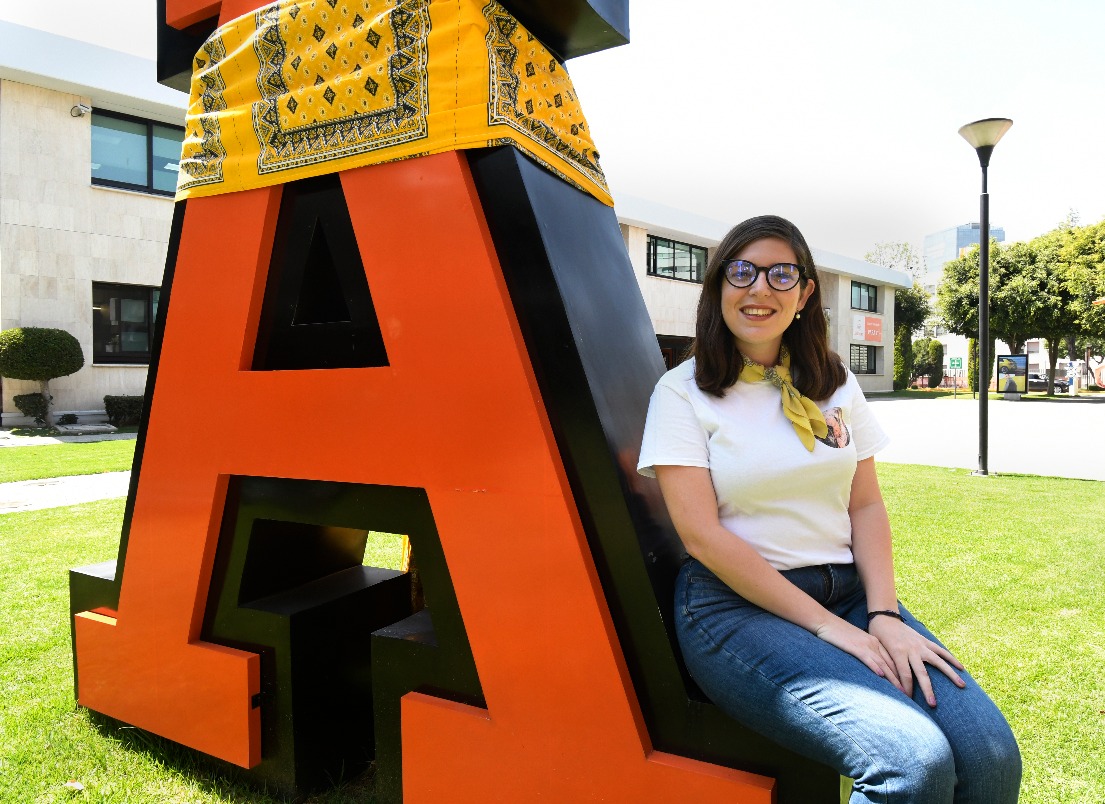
(916, 766)
(989, 766)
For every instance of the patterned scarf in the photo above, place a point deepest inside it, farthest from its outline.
(806, 417)
(301, 88)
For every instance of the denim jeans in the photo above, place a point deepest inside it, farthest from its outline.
(779, 679)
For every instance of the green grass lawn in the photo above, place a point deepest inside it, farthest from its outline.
(59, 460)
(1007, 570)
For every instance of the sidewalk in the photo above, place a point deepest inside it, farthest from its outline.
(32, 495)
(1062, 438)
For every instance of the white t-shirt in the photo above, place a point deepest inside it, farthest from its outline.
(790, 504)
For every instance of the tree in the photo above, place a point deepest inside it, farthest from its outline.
(1084, 256)
(922, 359)
(903, 358)
(900, 257)
(911, 308)
(936, 363)
(39, 354)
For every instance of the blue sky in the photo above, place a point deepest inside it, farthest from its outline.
(840, 114)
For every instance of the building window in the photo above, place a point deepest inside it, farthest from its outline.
(864, 297)
(674, 260)
(862, 359)
(122, 322)
(135, 154)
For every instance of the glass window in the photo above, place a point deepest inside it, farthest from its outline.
(864, 297)
(122, 322)
(135, 154)
(674, 260)
(862, 359)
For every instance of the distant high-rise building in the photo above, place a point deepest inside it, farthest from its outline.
(942, 247)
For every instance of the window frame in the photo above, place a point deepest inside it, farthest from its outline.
(871, 359)
(148, 188)
(103, 357)
(872, 293)
(651, 254)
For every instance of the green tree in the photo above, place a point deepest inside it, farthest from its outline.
(922, 358)
(935, 363)
(972, 364)
(1083, 254)
(903, 358)
(39, 354)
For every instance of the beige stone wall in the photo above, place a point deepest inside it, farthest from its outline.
(671, 303)
(58, 234)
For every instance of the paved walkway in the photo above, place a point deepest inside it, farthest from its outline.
(1059, 438)
(1062, 438)
(31, 495)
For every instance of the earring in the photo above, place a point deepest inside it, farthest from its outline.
(798, 315)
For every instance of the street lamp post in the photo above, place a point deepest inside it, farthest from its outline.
(983, 135)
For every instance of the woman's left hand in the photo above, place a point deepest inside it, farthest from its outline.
(911, 652)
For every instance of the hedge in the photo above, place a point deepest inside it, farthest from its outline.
(123, 410)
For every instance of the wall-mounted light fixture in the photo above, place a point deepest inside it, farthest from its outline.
(80, 110)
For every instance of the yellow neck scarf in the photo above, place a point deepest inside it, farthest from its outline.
(806, 417)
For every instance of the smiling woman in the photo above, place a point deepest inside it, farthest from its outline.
(785, 606)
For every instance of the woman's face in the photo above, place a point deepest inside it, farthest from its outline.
(758, 314)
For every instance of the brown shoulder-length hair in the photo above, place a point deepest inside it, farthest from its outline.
(817, 370)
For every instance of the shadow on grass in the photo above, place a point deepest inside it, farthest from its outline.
(218, 778)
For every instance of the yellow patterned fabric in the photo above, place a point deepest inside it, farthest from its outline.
(807, 418)
(300, 88)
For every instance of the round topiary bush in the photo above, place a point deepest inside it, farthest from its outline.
(39, 354)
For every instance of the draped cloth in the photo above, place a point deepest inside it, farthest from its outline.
(302, 88)
(807, 418)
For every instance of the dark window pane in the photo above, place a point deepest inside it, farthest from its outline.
(118, 150)
(674, 260)
(166, 157)
(122, 322)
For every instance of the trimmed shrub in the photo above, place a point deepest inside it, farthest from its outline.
(903, 358)
(123, 410)
(972, 364)
(33, 406)
(68, 418)
(39, 353)
(936, 363)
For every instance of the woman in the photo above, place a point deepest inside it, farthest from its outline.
(786, 607)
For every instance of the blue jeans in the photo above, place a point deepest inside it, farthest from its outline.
(783, 682)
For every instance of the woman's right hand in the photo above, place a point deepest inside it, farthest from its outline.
(856, 642)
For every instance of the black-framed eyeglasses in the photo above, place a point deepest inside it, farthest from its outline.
(780, 276)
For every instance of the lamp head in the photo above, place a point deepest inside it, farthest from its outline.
(983, 135)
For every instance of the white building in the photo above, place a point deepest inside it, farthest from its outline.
(85, 205)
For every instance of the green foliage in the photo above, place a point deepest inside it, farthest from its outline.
(935, 363)
(922, 357)
(32, 405)
(39, 353)
(903, 358)
(68, 418)
(911, 308)
(123, 410)
(972, 364)
(1044, 288)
